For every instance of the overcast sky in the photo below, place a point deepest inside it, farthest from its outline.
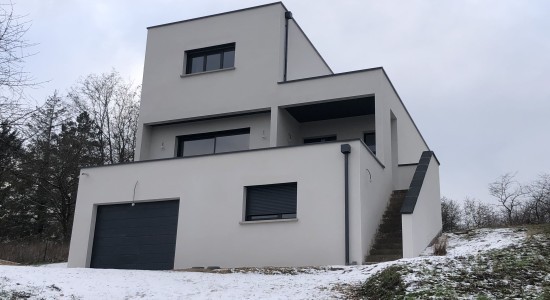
(475, 75)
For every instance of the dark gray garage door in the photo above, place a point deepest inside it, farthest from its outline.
(136, 237)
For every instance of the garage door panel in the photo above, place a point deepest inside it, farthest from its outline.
(137, 231)
(127, 211)
(134, 256)
(136, 237)
(133, 229)
(117, 221)
(114, 242)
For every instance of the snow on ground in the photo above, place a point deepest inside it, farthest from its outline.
(58, 282)
(56, 266)
(472, 242)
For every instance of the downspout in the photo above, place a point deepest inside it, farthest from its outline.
(346, 149)
(288, 16)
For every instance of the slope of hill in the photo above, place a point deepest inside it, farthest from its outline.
(480, 264)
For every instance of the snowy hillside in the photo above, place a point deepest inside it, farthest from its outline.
(459, 273)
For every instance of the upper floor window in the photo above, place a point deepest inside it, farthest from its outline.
(213, 142)
(320, 139)
(211, 58)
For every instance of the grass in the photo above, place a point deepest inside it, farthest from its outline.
(38, 252)
(386, 284)
(521, 271)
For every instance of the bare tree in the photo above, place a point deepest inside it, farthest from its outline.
(113, 105)
(509, 194)
(451, 214)
(478, 214)
(539, 196)
(13, 52)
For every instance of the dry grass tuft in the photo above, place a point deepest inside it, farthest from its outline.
(440, 246)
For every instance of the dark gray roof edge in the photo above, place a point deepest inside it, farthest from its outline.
(331, 75)
(239, 151)
(312, 45)
(219, 14)
(211, 117)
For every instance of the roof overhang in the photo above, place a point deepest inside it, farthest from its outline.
(333, 109)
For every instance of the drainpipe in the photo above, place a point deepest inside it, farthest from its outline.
(288, 16)
(346, 149)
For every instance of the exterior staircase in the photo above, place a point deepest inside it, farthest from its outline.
(388, 244)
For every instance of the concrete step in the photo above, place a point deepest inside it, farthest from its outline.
(388, 244)
(381, 258)
(388, 230)
(384, 244)
(386, 252)
(389, 234)
(400, 191)
(387, 240)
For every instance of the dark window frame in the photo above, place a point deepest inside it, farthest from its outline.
(282, 215)
(320, 139)
(365, 140)
(208, 135)
(204, 52)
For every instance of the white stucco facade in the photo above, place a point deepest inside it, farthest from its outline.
(253, 95)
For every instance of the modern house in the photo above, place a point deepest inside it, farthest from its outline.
(252, 152)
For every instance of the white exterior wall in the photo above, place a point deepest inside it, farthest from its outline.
(424, 224)
(410, 142)
(209, 226)
(258, 46)
(288, 129)
(166, 135)
(404, 176)
(303, 60)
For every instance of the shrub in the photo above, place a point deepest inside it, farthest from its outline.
(34, 252)
(386, 284)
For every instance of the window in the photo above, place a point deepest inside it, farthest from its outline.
(213, 142)
(370, 140)
(320, 139)
(211, 58)
(271, 202)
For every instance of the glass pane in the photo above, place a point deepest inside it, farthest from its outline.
(320, 139)
(370, 141)
(213, 61)
(197, 64)
(229, 59)
(232, 143)
(198, 147)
